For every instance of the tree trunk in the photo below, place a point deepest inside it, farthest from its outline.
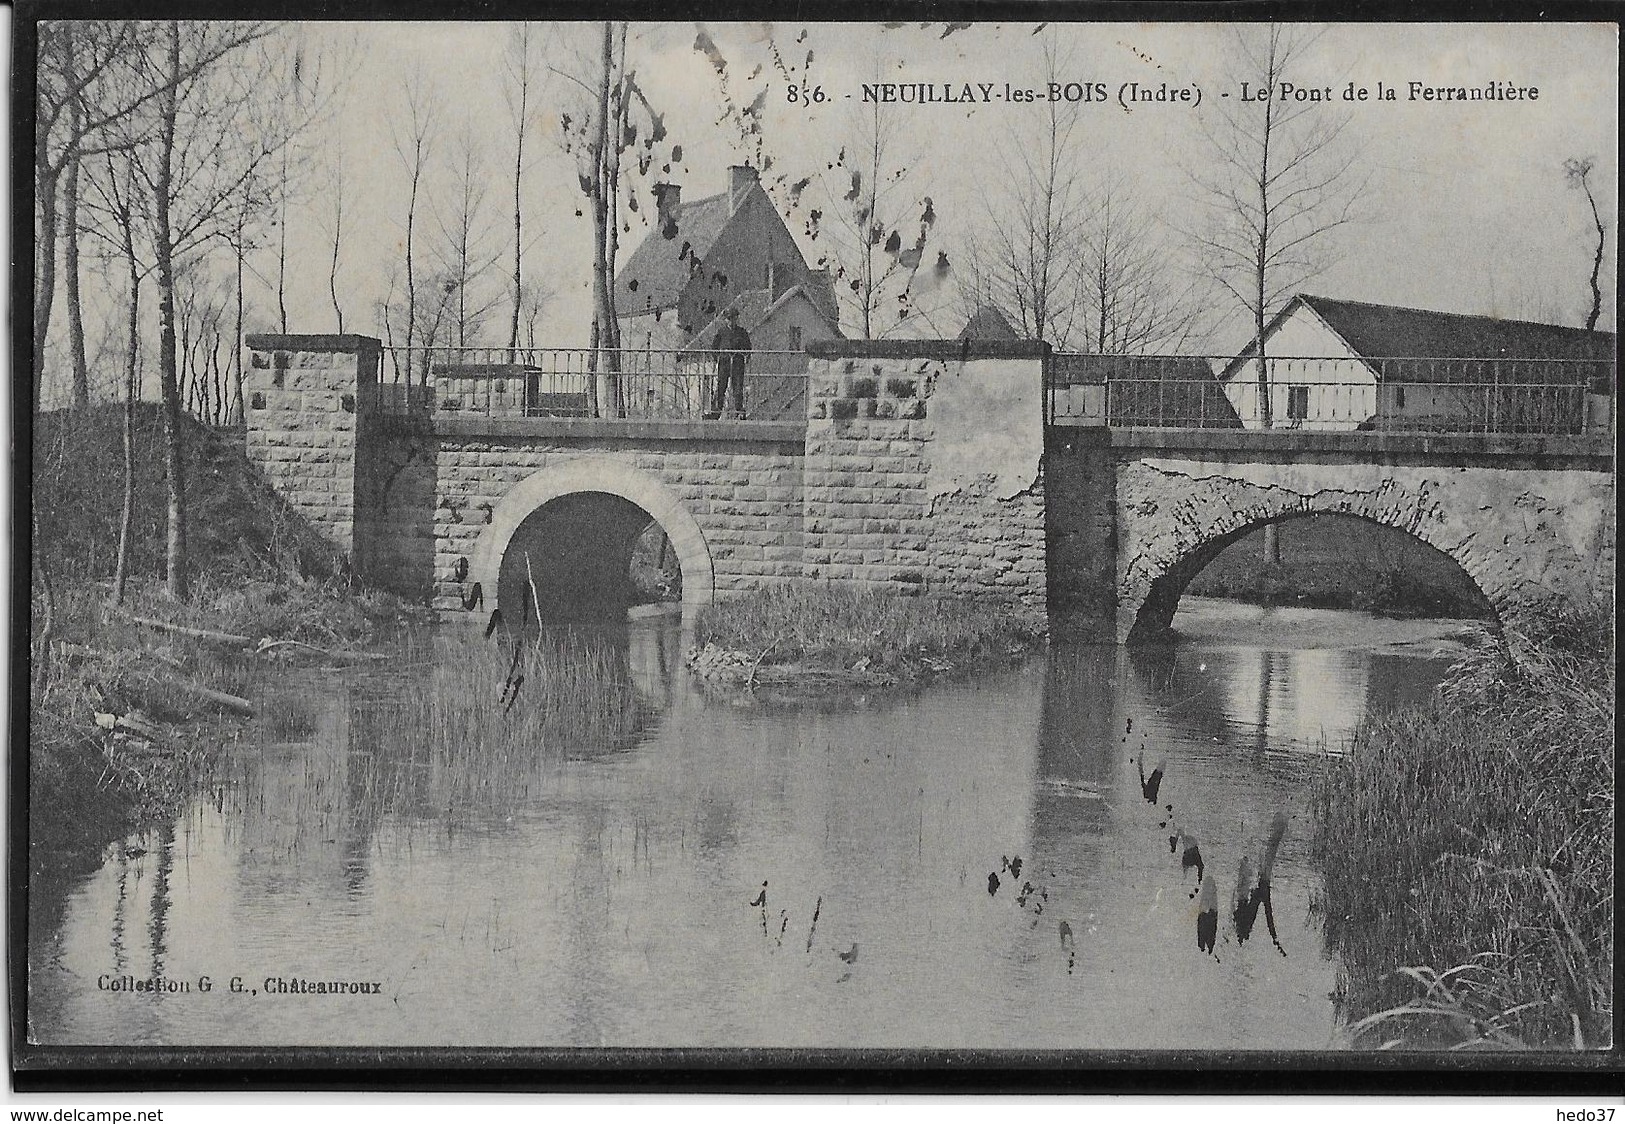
(411, 278)
(282, 252)
(1261, 267)
(603, 328)
(126, 525)
(237, 405)
(518, 230)
(41, 664)
(176, 582)
(45, 187)
(338, 234)
(617, 405)
(1596, 262)
(70, 262)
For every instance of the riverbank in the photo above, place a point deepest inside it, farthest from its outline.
(129, 703)
(1467, 846)
(133, 702)
(795, 642)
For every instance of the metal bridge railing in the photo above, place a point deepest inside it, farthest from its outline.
(564, 382)
(1404, 395)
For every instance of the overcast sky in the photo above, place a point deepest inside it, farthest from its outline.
(1466, 205)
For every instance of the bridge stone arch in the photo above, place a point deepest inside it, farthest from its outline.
(586, 475)
(1516, 535)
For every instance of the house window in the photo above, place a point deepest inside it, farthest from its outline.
(1297, 403)
(1399, 398)
(795, 339)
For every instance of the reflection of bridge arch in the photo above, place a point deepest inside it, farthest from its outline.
(1195, 528)
(594, 475)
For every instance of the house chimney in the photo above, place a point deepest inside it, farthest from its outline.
(668, 196)
(740, 179)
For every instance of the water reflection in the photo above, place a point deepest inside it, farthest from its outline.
(975, 865)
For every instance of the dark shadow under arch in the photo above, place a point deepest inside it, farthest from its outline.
(1154, 616)
(579, 552)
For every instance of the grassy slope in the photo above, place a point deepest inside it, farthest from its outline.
(1468, 849)
(258, 570)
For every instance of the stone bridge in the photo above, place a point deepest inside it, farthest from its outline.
(1135, 514)
(921, 467)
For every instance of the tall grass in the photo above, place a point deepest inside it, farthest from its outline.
(1468, 848)
(469, 739)
(839, 626)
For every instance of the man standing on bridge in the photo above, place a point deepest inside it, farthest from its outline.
(731, 344)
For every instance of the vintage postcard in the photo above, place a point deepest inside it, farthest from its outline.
(1066, 540)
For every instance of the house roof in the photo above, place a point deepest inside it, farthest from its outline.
(821, 288)
(658, 270)
(1386, 331)
(988, 323)
(755, 307)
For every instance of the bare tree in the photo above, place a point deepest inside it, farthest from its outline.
(313, 84)
(114, 195)
(1578, 174)
(1033, 221)
(212, 139)
(241, 237)
(878, 239)
(605, 198)
(88, 80)
(610, 118)
(1132, 297)
(534, 296)
(1278, 181)
(202, 303)
(468, 248)
(335, 235)
(70, 265)
(414, 140)
(522, 76)
(1074, 259)
(98, 88)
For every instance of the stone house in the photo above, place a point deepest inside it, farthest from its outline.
(1346, 365)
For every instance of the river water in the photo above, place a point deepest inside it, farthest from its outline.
(733, 876)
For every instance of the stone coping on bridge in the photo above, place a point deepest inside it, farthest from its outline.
(274, 341)
(480, 427)
(1596, 447)
(928, 349)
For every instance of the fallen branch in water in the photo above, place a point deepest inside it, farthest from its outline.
(230, 702)
(199, 633)
(268, 644)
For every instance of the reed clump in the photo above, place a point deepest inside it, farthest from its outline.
(838, 627)
(488, 722)
(1467, 845)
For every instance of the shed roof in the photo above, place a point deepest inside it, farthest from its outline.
(1375, 331)
(988, 323)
